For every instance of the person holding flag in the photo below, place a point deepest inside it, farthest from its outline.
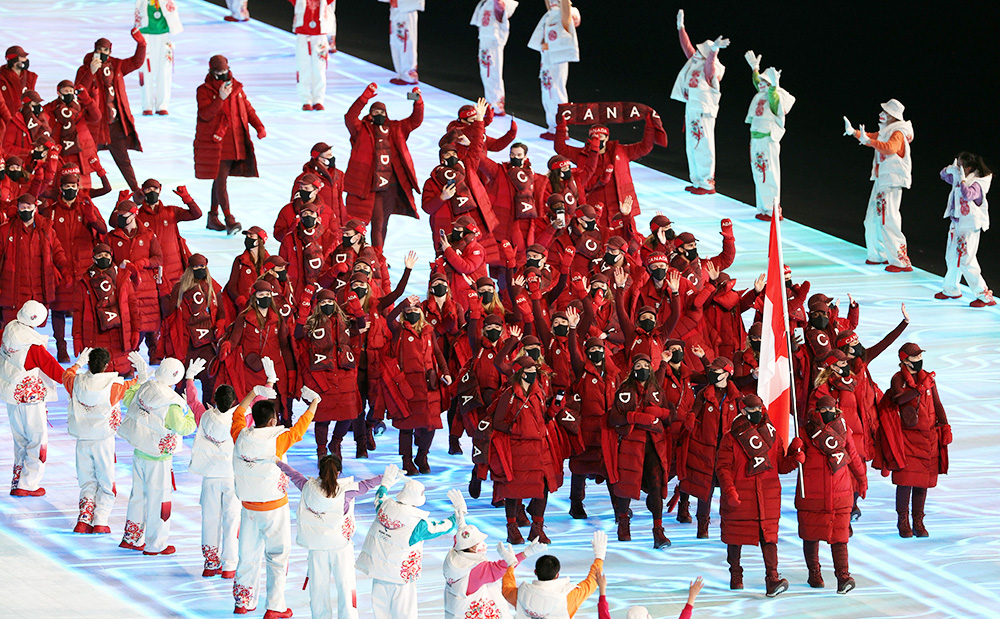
(774, 381)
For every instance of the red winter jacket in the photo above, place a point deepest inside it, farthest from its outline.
(241, 279)
(422, 365)
(501, 194)
(223, 131)
(12, 86)
(162, 220)
(711, 416)
(77, 226)
(925, 429)
(87, 332)
(288, 220)
(639, 416)
(592, 401)
(22, 131)
(724, 326)
(142, 249)
(32, 263)
(194, 322)
(249, 338)
(327, 356)
(70, 127)
(520, 460)
(303, 249)
(331, 194)
(110, 77)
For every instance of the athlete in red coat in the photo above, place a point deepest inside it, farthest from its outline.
(380, 180)
(723, 318)
(195, 321)
(162, 220)
(68, 118)
(28, 127)
(751, 455)
(685, 258)
(832, 474)
(303, 249)
(32, 261)
(322, 163)
(679, 394)
(106, 312)
(247, 268)
(515, 192)
(222, 146)
(104, 78)
(15, 78)
(138, 246)
(307, 195)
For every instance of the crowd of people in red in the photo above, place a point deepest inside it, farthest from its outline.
(553, 330)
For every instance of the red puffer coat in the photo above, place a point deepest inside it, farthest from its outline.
(223, 131)
(422, 366)
(241, 278)
(77, 226)
(161, 219)
(330, 367)
(593, 397)
(710, 418)
(304, 251)
(110, 78)
(288, 220)
(70, 127)
(723, 322)
(759, 491)
(824, 512)
(197, 320)
(843, 390)
(331, 193)
(639, 416)
(521, 462)
(924, 427)
(87, 331)
(250, 338)
(142, 249)
(12, 86)
(32, 262)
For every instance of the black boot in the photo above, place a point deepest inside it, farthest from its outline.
(475, 484)
(421, 462)
(214, 223)
(454, 447)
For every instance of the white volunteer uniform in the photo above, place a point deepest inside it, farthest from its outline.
(212, 458)
(883, 222)
(493, 34)
(264, 535)
(563, 48)
(25, 393)
(487, 601)
(765, 152)
(701, 107)
(326, 531)
(157, 72)
(543, 599)
(403, 37)
(392, 563)
(239, 9)
(968, 221)
(313, 50)
(149, 503)
(93, 420)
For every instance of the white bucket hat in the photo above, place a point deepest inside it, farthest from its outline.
(412, 493)
(32, 313)
(468, 536)
(170, 372)
(894, 108)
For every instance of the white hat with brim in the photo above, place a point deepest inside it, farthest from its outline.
(894, 108)
(468, 536)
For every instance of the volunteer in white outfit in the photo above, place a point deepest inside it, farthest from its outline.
(891, 171)
(393, 551)
(697, 86)
(969, 212)
(472, 584)
(325, 526)
(156, 420)
(157, 20)
(549, 595)
(28, 378)
(93, 417)
(314, 23)
(555, 39)
(212, 458)
(265, 523)
(238, 10)
(766, 118)
(492, 18)
(403, 39)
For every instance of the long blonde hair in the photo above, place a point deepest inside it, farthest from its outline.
(420, 324)
(824, 375)
(188, 281)
(317, 316)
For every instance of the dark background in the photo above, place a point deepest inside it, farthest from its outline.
(837, 59)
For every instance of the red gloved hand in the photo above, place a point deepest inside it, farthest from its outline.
(800, 457)
(354, 304)
(137, 35)
(416, 91)
(225, 349)
(370, 91)
(82, 94)
(795, 445)
(513, 126)
(475, 305)
(727, 228)
(509, 255)
(732, 497)
(183, 193)
(594, 143)
(863, 487)
(261, 133)
(124, 194)
(525, 307)
(534, 285)
(944, 434)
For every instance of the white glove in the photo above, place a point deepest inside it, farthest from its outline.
(956, 171)
(272, 376)
(141, 368)
(600, 544)
(391, 476)
(720, 43)
(458, 501)
(772, 75)
(863, 137)
(848, 128)
(195, 367)
(752, 60)
(310, 396)
(535, 547)
(265, 392)
(82, 360)
(680, 19)
(506, 552)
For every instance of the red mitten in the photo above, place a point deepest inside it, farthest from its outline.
(795, 445)
(944, 434)
(225, 349)
(370, 91)
(732, 497)
(509, 254)
(727, 228)
(354, 305)
(525, 307)
(800, 457)
(137, 35)
(124, 194)
(475, 305)
(863, 487)
(182, 192)
(534, 286)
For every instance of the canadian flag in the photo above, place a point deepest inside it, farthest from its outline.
(774, 381)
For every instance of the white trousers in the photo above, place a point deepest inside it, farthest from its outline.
(149, 506)
(220, 523)
(491, 72)
(765, 165)
(960, 257)
(403, 44)
(553, 77)
(336, 566)
(239, 9)
(884, 227)
(392, 601)
(31, 437)
(95, 470)
(699, 140)
(157, 72)
(311, 53)
(264, 536)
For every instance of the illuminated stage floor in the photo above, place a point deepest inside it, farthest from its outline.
(956, 572)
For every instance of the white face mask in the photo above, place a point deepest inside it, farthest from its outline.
(479, 549)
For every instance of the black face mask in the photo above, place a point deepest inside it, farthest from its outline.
(104, 58)
(200, 273)
(821, 321)
(347, 240)
(659, 274)
(610, 258)
(788, 283)
(102, 263)
(534, 353)
(677, 356)
(841, 371)
(492, 334)
(691, 254)
(37, 155)
(533, 262)
(152, 197)
(122, 221)
(917, 366)
(590, 226)
(222, 77)
(281, 275)
(378, 120)
(361, 292)
(412, 317)
(486, 297)
(828, 416)
(305, 195)
(529, 377)
(755, 415)
(597, 291)
(713, 377)
(36, 109)
(68, 98)
(561, 330)
(647, 325)
(455, 236)
(25, 64)
(328, 309)
(596, 357)
(669, 234)
(26, 215)
(755, 345)
(309, 221)
(439, 290)
(17, 175)
(516, 162)
(329, 163)
(451, 161)
(69, 194)
(641, 374)
(263, 302)
(249, 243)
(858, 351)
(566, 174)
